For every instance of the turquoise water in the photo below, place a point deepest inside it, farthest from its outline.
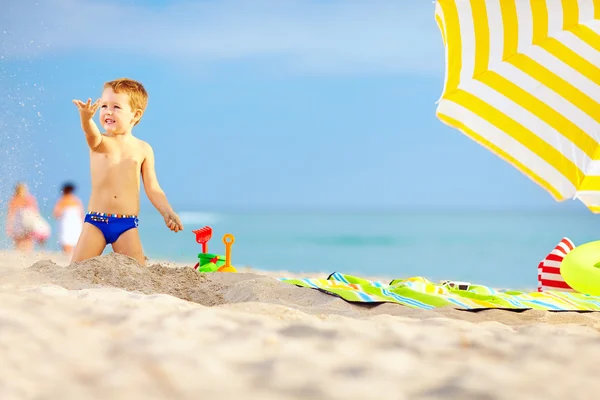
(499, 248)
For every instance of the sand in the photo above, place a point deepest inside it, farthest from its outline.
(110, 329)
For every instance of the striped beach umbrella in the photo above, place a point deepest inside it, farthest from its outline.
(523, 80)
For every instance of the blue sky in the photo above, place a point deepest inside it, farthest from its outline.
(253, 104)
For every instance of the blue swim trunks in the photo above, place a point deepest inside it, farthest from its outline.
(111, 225)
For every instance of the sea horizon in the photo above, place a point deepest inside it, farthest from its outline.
(499, 247)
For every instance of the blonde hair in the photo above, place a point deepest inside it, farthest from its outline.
(138, 97)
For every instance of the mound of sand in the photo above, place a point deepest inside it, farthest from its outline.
(211, 289)
(234, 290)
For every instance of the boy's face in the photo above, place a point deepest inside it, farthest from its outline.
(116, 115)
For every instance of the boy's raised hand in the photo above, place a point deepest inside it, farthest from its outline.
(87, 110)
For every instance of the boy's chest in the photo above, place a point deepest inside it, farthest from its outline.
(120, 159)
(122, 154)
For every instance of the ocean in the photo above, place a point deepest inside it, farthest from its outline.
(497, 248)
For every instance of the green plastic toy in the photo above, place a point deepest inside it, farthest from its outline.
(209, 262)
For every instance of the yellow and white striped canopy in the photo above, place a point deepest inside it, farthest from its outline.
(523, 80)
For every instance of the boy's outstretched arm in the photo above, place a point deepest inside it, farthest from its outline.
(86, 112)
(155, 193)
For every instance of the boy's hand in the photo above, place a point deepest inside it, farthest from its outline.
(172, 221)
(87, 110)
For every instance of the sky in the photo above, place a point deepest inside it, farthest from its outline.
(275, 104)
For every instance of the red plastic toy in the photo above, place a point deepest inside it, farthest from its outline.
(203, 235)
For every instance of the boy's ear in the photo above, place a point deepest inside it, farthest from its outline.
(137, 115)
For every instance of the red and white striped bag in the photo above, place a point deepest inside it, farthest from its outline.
(549, 277)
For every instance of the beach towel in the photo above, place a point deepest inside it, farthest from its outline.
(418, 292)
(553, 293)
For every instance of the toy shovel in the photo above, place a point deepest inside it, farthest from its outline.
(228, 240)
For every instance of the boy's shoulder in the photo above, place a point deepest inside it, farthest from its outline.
(138, 143)
(143, 144)
(144, 147)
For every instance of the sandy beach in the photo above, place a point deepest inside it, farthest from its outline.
(110, 329)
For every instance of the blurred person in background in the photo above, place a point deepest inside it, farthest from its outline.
(70, 213)
(24, 224)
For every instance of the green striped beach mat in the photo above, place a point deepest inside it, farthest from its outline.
(418, 292)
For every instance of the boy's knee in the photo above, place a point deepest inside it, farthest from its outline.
(139, 257)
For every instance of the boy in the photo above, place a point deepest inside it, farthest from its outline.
(117, 159)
